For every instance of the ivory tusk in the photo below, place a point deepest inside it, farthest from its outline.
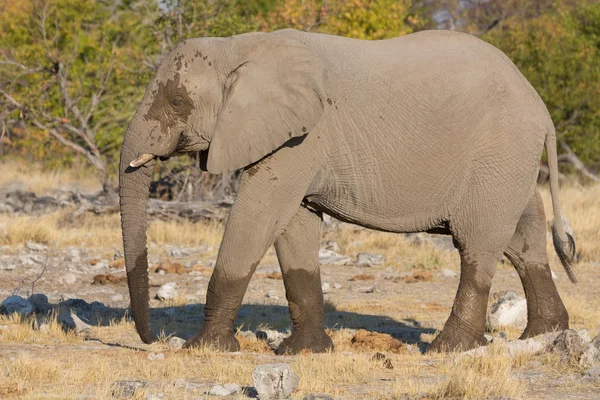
(141, 160)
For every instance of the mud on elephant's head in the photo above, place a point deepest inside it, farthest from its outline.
(235, 100)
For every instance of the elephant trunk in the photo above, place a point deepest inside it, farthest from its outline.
(134, 185)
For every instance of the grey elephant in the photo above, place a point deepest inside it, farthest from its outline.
(431, 132)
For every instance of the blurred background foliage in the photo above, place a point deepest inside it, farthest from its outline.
(73, 71)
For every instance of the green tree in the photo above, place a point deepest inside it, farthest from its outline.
(361, 19)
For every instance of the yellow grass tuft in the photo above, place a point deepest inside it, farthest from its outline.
(481, 378)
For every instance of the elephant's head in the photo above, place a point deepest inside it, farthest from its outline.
(234, 99)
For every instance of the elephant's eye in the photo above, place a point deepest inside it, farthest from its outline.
(176, 102)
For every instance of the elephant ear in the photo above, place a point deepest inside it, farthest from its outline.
(276, 92)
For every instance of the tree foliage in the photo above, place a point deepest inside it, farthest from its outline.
(73, 71)
(559, 53)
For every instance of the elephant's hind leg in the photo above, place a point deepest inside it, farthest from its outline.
(297, 249)
(527, 251)
(481, 228)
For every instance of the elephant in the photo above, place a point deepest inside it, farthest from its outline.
(435, 131)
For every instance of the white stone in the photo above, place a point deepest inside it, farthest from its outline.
(274, 381)
(554, 275)
(117, 297)
(36, 246)
(508, 310)
(446, 273)
(6, 264)
(325, 287)
(369, 260)
(330, 257)
(67, 279)
(331, 245)
(591, 354)
(175, 343)
(272, 337)
(70, 321)
(168, 291)
(16, 304)
(220, 391)
(272, 294)
(337, 286)
(156, 356)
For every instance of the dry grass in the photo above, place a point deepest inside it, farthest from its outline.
(28, 177)
(101, 231)
(52, 363)
(581, 206)
(480, 377)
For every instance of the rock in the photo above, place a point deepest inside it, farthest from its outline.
(446, 273)
(116, 297)
(233, 388)
(157, 396)
(248, 335)
(168, 291)
(178, 252)
(16, 304)
(369, 260)
(325, 287)
(508, 310)
(330, 257)
(272, 294)
(175, 343)
(591, 353)
(274, 381)
(569, 344)
(71, 322)
(33, 246)
(156, 356)
(67, 279)
(225, 390)
(7, 264)
(40, 303)
(376, 341)
(127, 389)
(592, 374)
(554, 275)
(317, 396)
(366, 289)
(73, 255)
(331, 245)
(441, 242)
(273, 338)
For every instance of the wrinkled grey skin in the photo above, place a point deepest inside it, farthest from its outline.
(431, 132)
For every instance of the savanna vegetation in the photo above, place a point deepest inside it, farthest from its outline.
(73, 71)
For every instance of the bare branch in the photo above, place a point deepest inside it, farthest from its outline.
(572, 159)
(569, 121)
(69, 103)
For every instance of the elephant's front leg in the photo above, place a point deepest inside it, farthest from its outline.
(297, 249)
(269, 195)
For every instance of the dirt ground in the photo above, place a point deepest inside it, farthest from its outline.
(409, 296)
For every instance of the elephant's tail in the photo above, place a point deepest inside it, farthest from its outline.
(564, 244)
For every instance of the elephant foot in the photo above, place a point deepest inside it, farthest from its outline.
(223, 340)
(455, 341)
(315, 341)
(540, 326)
